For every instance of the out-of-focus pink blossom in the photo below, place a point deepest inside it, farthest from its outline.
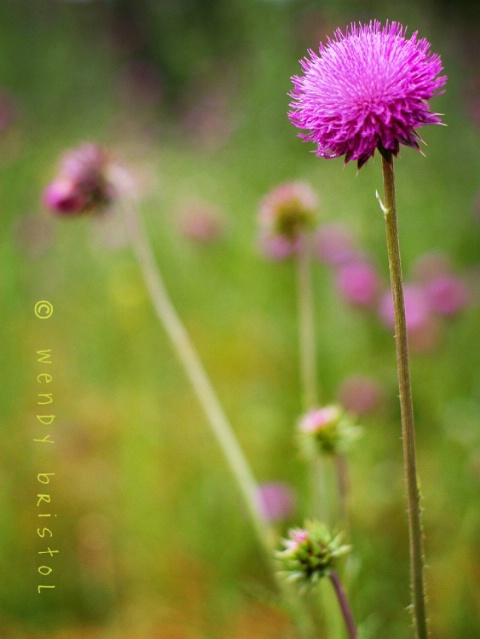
(200, 222)
(447, 295)
(358, 282)
(422, 327)
(64, 196)
(277, 247)
(417, 311)
(276, 501)
(334, 244)
(83, 182)
(360, 394)
(431, 265)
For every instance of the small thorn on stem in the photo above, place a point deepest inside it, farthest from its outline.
(382, 205)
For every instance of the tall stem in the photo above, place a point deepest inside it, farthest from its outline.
(308, 355)
(343, 603)
(218, 421)
(406, 405)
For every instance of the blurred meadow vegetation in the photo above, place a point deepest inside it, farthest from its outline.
(191, 95)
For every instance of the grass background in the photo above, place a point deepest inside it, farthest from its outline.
(152, 541)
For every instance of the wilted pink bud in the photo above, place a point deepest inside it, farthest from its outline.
(358, 282)
(276, 501)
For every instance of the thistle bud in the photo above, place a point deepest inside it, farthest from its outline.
(286, 213)
(328, 431)
(310, 553)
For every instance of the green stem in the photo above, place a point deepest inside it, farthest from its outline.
(308, 367)
(308, 358)
(344, 606)
(406, 405)
(218, 421)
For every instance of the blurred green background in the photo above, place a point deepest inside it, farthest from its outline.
(191, 95)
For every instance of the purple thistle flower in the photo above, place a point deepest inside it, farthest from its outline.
(368, 89)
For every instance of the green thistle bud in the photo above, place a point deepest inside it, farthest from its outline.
(310, 553)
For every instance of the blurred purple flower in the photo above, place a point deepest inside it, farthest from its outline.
(447, 295)
(276, 501)
(82, 184)
(277, 247)
(334, 244)
(431, 265)
(423, 330)
(358, 282)
(200, 222)
(417, 310)
(368, 89)
(360, 394)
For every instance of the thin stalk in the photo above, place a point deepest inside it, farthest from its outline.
(344, 606)
(308, 367)
(309, 384)
(218, 421)
(406, 405)
(341, 468)
(306, 325)
(321, 493)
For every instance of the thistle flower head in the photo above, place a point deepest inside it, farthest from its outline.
(310, 553)
(367, 89)
(328, 430)
(82, 183)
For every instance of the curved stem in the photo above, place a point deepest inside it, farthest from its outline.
(343, 603)
(406, 404)
(218, 421)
